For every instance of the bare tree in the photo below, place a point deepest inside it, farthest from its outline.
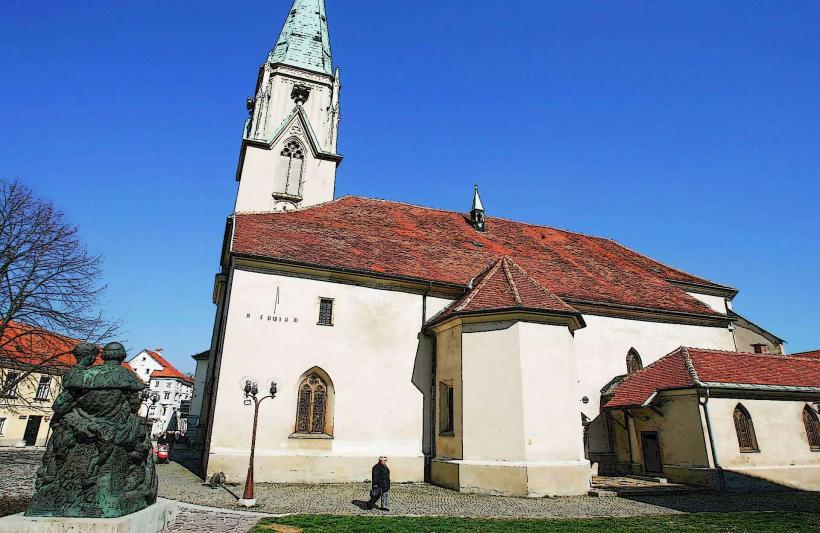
(50, 290)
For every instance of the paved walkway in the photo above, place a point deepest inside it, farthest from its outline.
(177, 483)
(420, 499)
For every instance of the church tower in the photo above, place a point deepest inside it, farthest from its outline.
(288, 157)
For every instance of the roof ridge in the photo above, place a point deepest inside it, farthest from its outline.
(767, 355)
(535, 282)
(489, 273)
(508, 275)
(690, 366)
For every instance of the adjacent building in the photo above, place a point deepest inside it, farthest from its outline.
(472, 350)
(172, 388)
(32, 363)
(726, 420)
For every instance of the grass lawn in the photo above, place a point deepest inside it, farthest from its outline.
(723, 522)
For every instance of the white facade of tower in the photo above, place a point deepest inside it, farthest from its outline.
(289, 158)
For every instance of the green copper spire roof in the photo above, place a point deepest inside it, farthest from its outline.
(305, 40)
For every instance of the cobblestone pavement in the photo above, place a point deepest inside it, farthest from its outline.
(421, 499)
(177, 483)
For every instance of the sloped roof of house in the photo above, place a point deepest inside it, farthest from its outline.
(30, 345)
(168, 370)
(505, 286)
(36, 347)
(697, 367)
(397, 240)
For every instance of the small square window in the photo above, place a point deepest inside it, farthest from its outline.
(325, 312)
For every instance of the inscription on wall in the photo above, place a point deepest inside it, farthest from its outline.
(275, 317)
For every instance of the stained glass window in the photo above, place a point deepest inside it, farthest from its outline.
(745, 430)
(311, 408)
(812, 428)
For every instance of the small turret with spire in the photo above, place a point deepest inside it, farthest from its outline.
(477, 212)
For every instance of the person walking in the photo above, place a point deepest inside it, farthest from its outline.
(380, 485)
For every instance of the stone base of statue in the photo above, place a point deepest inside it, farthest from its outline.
(152, 519)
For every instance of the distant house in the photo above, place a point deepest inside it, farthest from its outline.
(726, 420)
(32, 363)
(171, 387)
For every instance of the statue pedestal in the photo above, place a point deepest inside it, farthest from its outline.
(152, 519)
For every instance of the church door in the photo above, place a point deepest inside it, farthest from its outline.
(32, 429)
(651, 452)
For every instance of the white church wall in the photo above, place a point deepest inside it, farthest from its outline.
(492, 400)
(549, 379)
(257, 178)
(518, 402)
(370, 354)
(784, 457)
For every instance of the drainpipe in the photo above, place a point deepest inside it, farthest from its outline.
(432, 406)
(705, 405)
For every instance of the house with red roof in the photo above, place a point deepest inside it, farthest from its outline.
(32, 363)
(470, 349)
(722, 419)
(171, 389)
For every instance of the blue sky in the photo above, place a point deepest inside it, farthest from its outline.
(689, 131)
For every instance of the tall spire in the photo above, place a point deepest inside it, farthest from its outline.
(305, 40)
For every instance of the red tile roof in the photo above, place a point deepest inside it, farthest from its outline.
(815, 353)
(29, 345)
(35, 346)
(410, 242)
(505, 286)
(168, 370)
(686, 367)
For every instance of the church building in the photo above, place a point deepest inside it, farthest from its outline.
(477, 353)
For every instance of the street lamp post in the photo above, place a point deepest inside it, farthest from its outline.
(251, 391)
(149, 400)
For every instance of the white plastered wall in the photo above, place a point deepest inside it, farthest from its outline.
(378, 366)
(257, 182)
(784, 459)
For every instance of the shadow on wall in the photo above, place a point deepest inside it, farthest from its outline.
(422, 379)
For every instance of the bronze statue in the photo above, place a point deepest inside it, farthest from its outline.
(98, 461)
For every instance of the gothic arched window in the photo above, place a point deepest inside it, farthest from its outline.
(288, 179)
(313, 406)
(633, 361)
(812, 428)
(745, 430)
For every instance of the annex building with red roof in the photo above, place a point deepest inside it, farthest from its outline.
(470, 349)
(171, 388)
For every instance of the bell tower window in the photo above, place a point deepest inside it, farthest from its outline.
(288, 179)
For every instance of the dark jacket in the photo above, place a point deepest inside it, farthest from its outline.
(381, 477)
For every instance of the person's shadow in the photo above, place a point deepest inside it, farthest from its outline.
(361, 504)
